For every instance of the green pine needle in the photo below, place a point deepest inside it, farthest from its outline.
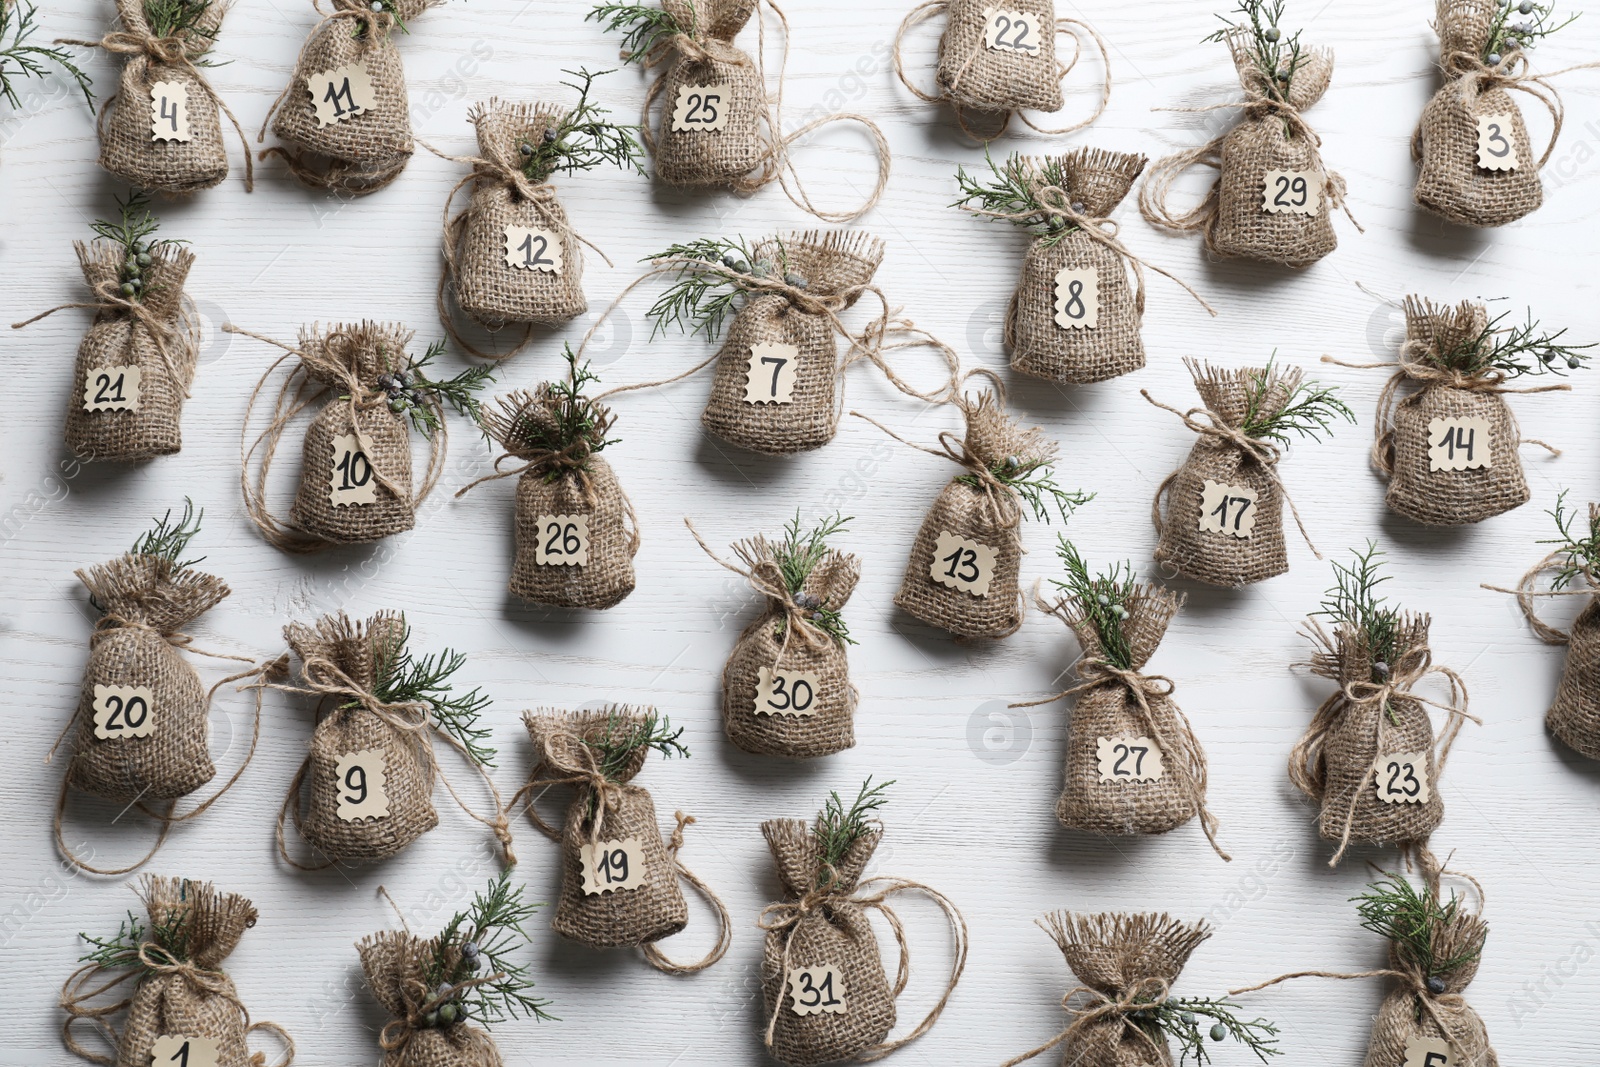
(1102, 599)
(1513, 351)
(1309, 411)
(1276, 58)
(459, 392)
(1412, 920)
(19, 59)
(624, 736)
(1506, 36)
(403, 678)
(1033, 480)
(180, 18)
(170, 541)
(1013, 191)
(1354, 603)
(797, 555)
(708, 289)
(1179, 1019)
(1579, 554)
(131, 234)
(121, 952)
(583, 138)
(645, 27)
(839, 828)
(495, 924)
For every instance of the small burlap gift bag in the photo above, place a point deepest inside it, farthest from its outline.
(786, 688)
(1449, 449)
(345, 109)
(719, 128)
(619, 876)
(1223, 523)
(355, 464)
(827, 995)
(576, 531)
(162, 131)
(1073, 317)
(1000, 59)
(365, 790)
(1273, 199)
(183, 1005)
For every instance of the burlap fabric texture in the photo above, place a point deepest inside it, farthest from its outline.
(181, 988)
(397, 965)
(1125, 962)
(1414, 1011)
(366, 151)
(1574, 715)
(1224, 454)
(1273, 136)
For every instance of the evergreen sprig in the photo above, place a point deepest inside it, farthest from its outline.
(797, 555)
(19, 59)
(1012, 195)
(403, 678)
(131, 232)
(708, 288)
(560, 416)
(1309, 411)
(1034, 481)
(644, 27)
(459, 392)
(185, 18)
(1505, 36)
(582, 139)
(170, 935)
(1579, 554)
(1178, 1018)
(838, 828)
(169, 541)
(1277, 59)
(1513, 351)
(390, 6)
(493, 925)
(624, 736)
(1354, 603)
(1102, 599)
(1412, 920)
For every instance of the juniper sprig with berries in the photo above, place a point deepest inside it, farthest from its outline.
(644, 28)
(410, 390)
(1102, 598)
(1309, 412)
(1034, 481)
(1579, 554)
(474, 947)
(838, 828)
(1277, 58)
(582, 139)
(1511, 351)
(797, 555)
(403, 678)
(712, 281)
(20, 60)
(1179, 1019)
(1012, 195)
(132, 232)
(1507, 37)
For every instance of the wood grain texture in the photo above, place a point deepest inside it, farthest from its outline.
(972, 808)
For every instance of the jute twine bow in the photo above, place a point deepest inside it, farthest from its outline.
(397, 1033)
(1526, 594)
(766, 578)
(1142, 995)
(784, 918)
(1473, 77)
(922, 12)
(1265, 453)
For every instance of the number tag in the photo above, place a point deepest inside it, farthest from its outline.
(786, 692)
(529, 248)
(1078, 298)
(341, 93)
(1292, 192)
(1129, 759)
(123, 711)
(702, 107)
(962, 564)
(817, 990)
(169, 112)
(1228, 509)
(563, 541)
(1016, 32)
(1495, 148)
(181, 1050)
(351, 482)
(360, 777)
(772, 373)
(111, 389)
(1402, 778)
(1430, 1052)
(1459, 444)
(612, 865)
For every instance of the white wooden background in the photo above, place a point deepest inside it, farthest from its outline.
(976, 784)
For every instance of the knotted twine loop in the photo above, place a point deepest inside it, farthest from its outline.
(783, 918)
(1525, 594)
(652, 952)
(766, 578)
(1143, 994)
(922, 12)
(397, 1033)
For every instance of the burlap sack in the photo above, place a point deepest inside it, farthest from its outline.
(397, 966)
(365, 152)
(1097, 181)
(487, 288)
(1414, 1011)
(604, 581)
(834, 932)
(1445, 145)
(1574, 716)
(987, 79)
(339, 659)
(1222, 453)
(836, 267)
(156, 332)
(989, 513)
(1403, 428)
(783, 638)
(704, 56)
(146, 601)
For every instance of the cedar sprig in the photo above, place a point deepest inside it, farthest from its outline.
(19, 59)
(1012, 195)
(392, 7)
(1276, 58)
(1411, 919)
(1513, 351)
(625, 735)
(1536, 22)
(1034, 481)
(1179, 1019)
(1354, 603)
(493, 925)
(132, 232)
(185, 18)
(562, 416)
(582, 139)
(645, 27)
(403, 678)
(1579, 554)
(797, 555)
(709, 283)
(1309, 411)
(838, 827)
(1102, 599)
(459, 392)
(170, 936)
(168, 540)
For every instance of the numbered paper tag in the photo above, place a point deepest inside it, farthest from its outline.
(1402, 778)
(351, 482)
(817, 990)
(180, 1050)
(772, 373)
(1078, 298)
(612, 865)
(1012, 31)
(962, 564)
(169, 112)
(1292, 192)
(702, 107)
(1430, 1052)
(1129, 759)
(361, 778)
(1495, 148)
(1458, 444)
(563, 541)
(1228, 509)
(111, 389)
(530, 248)
(781, 692)
(123, 711)
(341, 93)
